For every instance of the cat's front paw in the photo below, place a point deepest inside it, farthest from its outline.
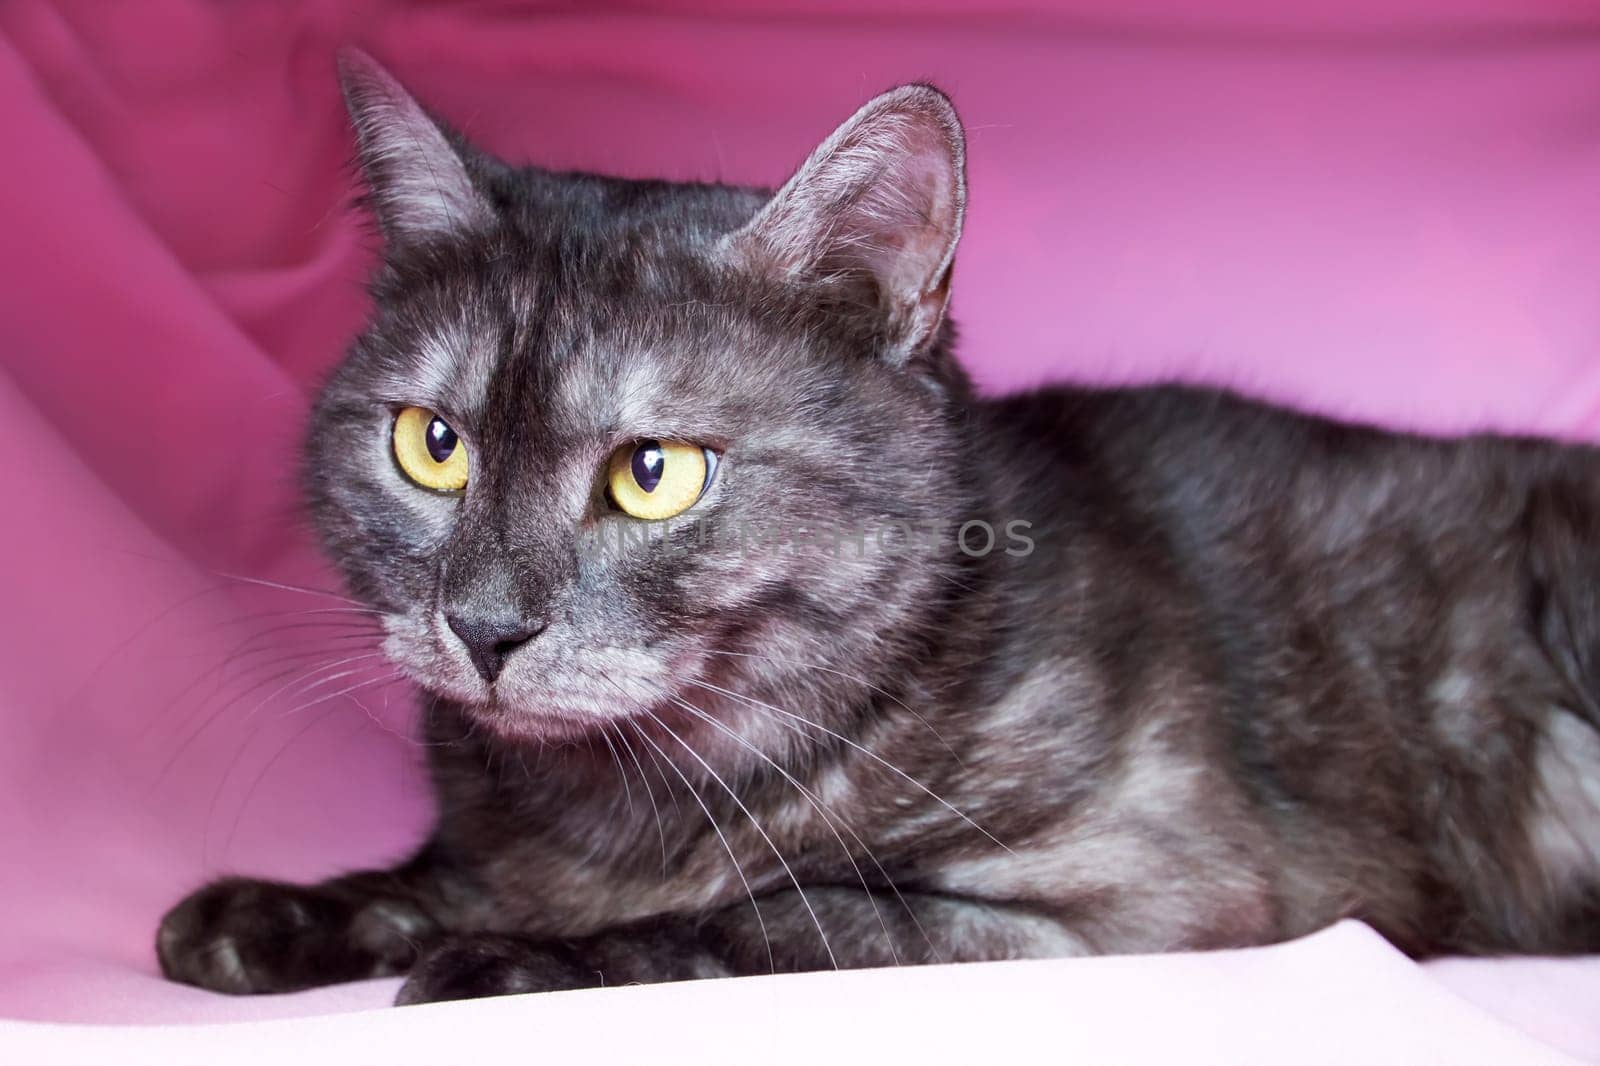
(241, 936)
(496, 964)
(490, 964)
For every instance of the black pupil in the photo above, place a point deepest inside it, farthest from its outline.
(441, 440)
(648, 465)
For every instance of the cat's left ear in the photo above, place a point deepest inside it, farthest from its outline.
(419, 181)
(879, 205)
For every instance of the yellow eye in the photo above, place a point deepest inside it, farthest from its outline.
(428, 450)
(658, 479)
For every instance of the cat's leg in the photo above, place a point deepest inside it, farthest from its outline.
(470, 965)
(245, 936)
(821, 929)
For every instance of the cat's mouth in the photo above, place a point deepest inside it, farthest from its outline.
(551, 721)
(558, 688)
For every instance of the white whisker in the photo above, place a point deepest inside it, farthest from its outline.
(823, 812)
(717, 829)
(756, 824)
(874, 756)
(858, 680)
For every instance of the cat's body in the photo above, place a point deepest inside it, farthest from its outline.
(1244, 673)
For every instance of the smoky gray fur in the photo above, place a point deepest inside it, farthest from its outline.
(1258, 671)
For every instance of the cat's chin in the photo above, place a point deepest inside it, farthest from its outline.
(543, 723)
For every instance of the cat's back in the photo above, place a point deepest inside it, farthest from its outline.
(1220, 479)
(1294, 551)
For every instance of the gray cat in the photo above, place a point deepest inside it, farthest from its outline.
(758, 643)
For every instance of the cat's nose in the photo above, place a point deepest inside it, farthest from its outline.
(489, 641)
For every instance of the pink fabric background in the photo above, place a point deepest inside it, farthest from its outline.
(1381, 209)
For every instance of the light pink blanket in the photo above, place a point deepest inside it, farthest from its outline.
(1385, 209)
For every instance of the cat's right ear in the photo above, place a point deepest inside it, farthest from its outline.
(877, 209)
(420, 187)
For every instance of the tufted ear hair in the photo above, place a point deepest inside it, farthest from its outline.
(418, 180)
(879, 204)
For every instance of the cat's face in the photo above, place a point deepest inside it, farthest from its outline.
(565, 456)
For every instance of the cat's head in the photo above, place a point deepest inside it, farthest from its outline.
(562, 458)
